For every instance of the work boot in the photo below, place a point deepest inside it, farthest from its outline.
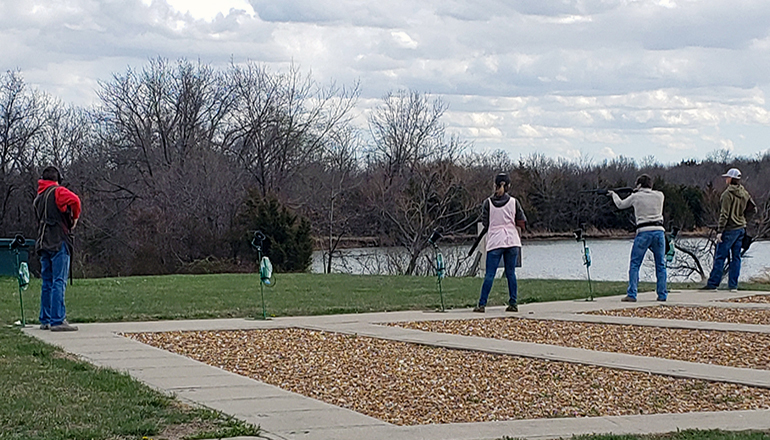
(513, 308)
(479, 309)
(64, 327)
(45, 326)
(629, 299)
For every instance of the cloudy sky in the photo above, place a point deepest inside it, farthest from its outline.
(590, 79)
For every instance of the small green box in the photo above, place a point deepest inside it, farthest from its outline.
(8, 256)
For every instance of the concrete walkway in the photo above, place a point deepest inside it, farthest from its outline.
(286, 415)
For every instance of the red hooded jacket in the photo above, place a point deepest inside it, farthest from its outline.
(64, 197)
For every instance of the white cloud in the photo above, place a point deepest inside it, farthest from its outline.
(403, 39)
(208, 10)
(609, 153)
(659, 76)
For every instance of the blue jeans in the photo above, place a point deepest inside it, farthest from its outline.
(54, 268)
(656, 242)
(509, 256)
(731, 244)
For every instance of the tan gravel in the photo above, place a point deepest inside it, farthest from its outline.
(712, 314)
(763, 299)
(408, 384)
(734, 349)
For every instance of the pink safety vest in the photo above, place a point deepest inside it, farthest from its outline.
(502, 226)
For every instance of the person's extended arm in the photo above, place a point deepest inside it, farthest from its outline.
(622, 203)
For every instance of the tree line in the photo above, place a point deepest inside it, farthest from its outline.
(178, 162)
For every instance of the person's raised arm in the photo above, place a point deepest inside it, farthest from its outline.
(621, 203)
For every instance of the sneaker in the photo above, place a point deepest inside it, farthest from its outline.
(64, 327)
(734, 290)
(661, 299)
(513, 308)
(479, 309)
(708, 288)
(629, 299)
(45, 326)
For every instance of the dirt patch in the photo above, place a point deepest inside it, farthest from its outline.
(733, 349)
(712, 314)
(762, 299)
(409, 384)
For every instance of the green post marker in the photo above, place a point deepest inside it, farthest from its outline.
(265, 269)
(21, 297)
(579, 236)
(440, 272)
(262, 294)
(22, 272)
(440, 267)
(670, 251)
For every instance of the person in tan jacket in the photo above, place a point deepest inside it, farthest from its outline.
(650, 234)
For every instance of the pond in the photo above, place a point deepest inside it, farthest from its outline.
(544, 259)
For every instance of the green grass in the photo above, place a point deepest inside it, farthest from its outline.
(47, 395)
(238, 295)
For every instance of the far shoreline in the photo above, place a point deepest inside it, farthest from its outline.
(321, 243)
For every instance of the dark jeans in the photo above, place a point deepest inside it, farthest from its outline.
(509, 256)
(730, 245)
(656, 242)
(54, 268)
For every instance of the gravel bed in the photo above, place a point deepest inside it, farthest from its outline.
(734, 349)
(409, 384)
(712, 314)
(763, 299)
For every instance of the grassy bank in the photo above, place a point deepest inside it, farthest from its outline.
(238, 295)
(48, 395)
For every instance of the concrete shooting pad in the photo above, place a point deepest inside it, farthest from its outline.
(286, 415)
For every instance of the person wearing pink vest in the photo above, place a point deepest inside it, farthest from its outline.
(502, 218)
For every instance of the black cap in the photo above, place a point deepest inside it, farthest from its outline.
(502, 178)
(52, 173)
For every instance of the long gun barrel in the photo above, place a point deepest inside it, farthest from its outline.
(605, 191)
(477, 241)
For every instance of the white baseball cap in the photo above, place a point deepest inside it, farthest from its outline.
(735, 173)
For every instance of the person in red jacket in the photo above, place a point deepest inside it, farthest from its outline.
(57, 210)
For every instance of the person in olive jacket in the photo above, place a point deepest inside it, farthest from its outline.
(57, 210)
(735, 203)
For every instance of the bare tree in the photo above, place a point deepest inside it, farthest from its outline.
(406, 130)
(335, 180)
(416, 184)
(23, 117)
(166, 131)
(284, 121)
(163, 113)
(693, 258)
